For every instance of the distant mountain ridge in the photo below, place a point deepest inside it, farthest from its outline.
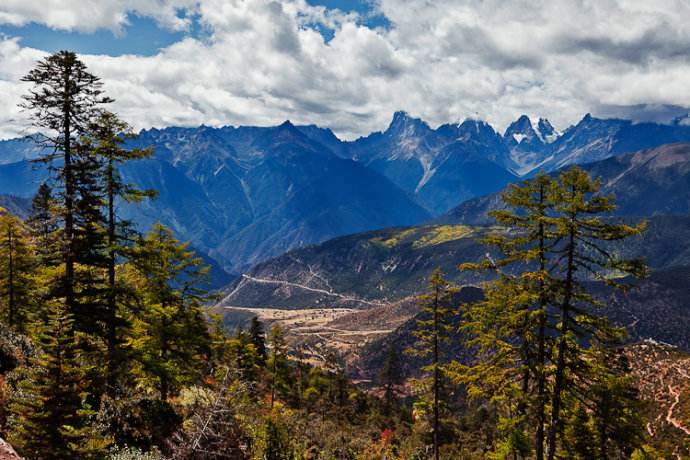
(645, 183)
(245, 194)
(242, 195)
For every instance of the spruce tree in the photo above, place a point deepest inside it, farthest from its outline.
(63, 101)
(169, 337)
(17, 267)
(433, 330)
(43, 226)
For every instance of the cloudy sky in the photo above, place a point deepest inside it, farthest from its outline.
(349, 64)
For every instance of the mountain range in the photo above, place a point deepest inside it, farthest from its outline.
(380, 272)
(243, 195)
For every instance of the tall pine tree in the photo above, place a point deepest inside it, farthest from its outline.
(63, 101)
(50, 418)
(524, 264)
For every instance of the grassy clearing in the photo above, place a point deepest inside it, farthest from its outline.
(442, 234)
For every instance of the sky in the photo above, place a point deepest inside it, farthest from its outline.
(349, 64)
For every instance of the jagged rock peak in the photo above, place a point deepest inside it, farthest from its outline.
(404, 123)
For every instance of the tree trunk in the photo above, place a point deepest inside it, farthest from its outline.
(560, 365)
(541, 338)
(436, 375)
(69, 196)
(112, 305)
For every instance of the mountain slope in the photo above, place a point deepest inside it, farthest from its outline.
(386, 266)
(439, 167)
(594, 139)
(645, 183)
(242, 195)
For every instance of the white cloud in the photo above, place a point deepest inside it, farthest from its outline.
(263, 62)
(89, 15)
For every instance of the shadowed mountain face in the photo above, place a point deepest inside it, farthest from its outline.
(645, 183)
(437, 166)
(242, 195)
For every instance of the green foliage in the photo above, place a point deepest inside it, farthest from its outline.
(434, 329)
(17, 267)
(170, 338)
(442, 234)
(258, 338)
(533, 332)
(274, 442)
(50, 417)
(646, 453)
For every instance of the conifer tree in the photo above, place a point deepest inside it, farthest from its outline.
(244, 354)
(17, 267)
(63, 101)
(170, 337)
(43, 225)
(614, 405)
(391, 375)
(277, 359)
(581, 232)
(258, 338)
(108, 135)
(501, 330)
(433, 330)
(524, 266)
(50, 418)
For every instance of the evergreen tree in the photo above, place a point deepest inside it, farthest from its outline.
(43, 226)
(244, 354)
(169, 337)
(277, 359)
(108, 135)
(529, 215)
(50, 418)
(615, 406)
(277, 444)
(258, 338)
(581, 232)
(433, 330)
(391, 376)
(63, 101)
(16, 272)
(501, 330)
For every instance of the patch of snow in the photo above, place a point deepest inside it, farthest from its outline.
(428, 172)
(519, 137)
(551, 137)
